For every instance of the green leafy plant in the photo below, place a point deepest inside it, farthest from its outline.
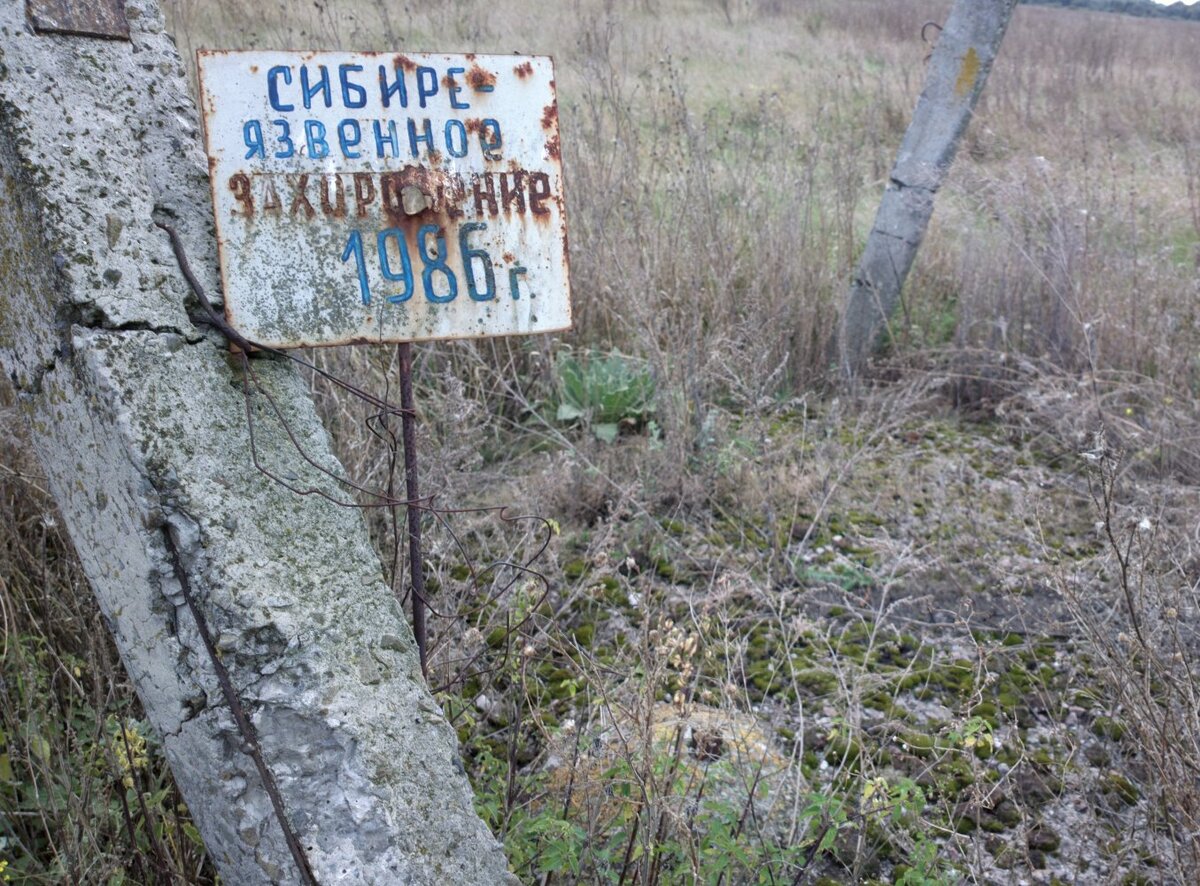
(605, 393)
(78, 780)
(924, 870)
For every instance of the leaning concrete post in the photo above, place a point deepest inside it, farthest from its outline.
(958, 70)
(139, 420)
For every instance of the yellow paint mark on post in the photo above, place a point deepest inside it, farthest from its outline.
(967, 74)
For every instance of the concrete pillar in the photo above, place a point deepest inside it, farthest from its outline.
(138, 418)
(954, 79)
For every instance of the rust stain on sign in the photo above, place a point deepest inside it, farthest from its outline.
(85, 18)
(370, 197)
(481, 80)
(967, 74)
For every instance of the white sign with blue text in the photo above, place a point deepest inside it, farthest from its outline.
(383, 197)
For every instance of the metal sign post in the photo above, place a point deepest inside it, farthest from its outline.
(416, 564)
(382, 197)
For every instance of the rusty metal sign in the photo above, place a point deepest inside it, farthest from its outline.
(85, 18)
(382, 197)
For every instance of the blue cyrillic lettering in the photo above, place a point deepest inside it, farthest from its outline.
(390, 139)
(359, 99)
(435, 263)
(469, 256)
(413, 138)
(354, 247)
(515, 273)
(349, 135)
(490, 144)
(397, 88)
(308, 92)
(456, 89)
(284, 138)
(314, 134)
(427, 85)
(253, 137)
(385, 264)
(273, 86)
(452, 127)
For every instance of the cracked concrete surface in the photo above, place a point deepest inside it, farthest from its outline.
(139, 419)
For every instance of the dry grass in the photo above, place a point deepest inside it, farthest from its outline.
(724, 160)
(1141, 630)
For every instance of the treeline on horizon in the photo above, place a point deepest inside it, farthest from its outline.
(1145, 8)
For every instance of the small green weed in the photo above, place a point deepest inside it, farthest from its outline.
(605, 393)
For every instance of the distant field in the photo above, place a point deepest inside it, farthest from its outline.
(787, 115)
